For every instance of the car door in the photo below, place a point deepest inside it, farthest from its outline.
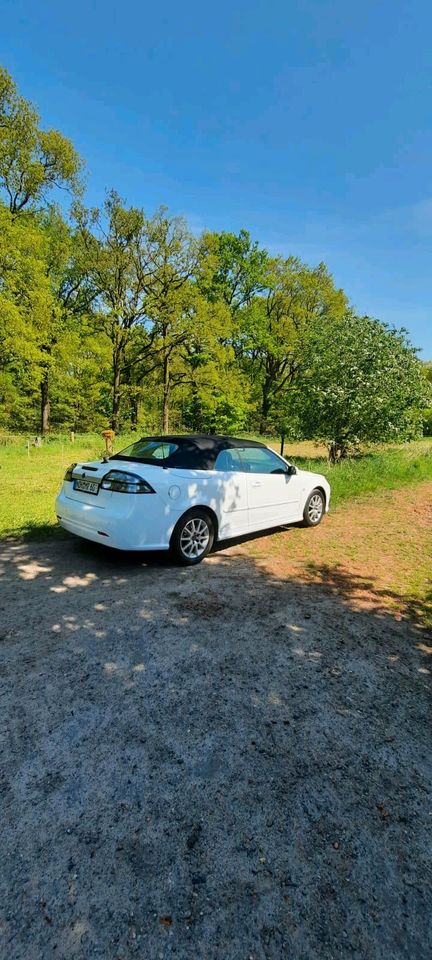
(273, 494)
(231, 494)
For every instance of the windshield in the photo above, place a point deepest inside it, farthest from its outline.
(153, 450)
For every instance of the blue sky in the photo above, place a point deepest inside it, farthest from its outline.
(308, 122)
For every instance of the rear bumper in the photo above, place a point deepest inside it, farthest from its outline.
(128, 532)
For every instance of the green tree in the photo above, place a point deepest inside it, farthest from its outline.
(46, 322)
(274, 324)
(232, 272)
(427, 414)
(233, 269)
(25, 303)
(213, 391)
(359, 381)
(173, 300)
(114, 249)
(69, 324)
(32, 160)
(141, 270)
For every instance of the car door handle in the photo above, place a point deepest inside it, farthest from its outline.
(257, 483)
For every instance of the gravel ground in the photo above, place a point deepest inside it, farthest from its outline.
(207, 763)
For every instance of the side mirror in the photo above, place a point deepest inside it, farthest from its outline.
(291, 470)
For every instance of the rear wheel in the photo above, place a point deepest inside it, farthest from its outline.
(193, 537)
(314, 509)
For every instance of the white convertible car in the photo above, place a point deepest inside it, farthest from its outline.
(184, 493)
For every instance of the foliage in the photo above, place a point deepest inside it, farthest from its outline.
(118, 316)
(427, 414)
(32, 161)
(274, 326)
(233, 269)
(25, 303)
(359, 381)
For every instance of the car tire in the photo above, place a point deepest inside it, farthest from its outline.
(314, 508)
(192, 537)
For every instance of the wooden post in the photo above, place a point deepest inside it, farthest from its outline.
(282, 444)
(108, 436)
(72, 436)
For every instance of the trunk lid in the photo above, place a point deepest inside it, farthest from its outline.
(94, 472)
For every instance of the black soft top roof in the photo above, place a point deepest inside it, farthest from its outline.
(193, 451)
(205, 441)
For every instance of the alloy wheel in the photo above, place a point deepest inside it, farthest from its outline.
(315, 508)
(194, 538)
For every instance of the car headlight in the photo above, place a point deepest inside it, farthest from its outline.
(119, 481)
(69, 472)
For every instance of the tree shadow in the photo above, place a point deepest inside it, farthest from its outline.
(209, 761)
(356, 590)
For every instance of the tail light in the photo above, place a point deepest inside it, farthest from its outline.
(119, 481)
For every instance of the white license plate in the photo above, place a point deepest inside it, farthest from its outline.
(87, 486)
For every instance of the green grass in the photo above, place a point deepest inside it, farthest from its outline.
(29, 481)
(381, 469)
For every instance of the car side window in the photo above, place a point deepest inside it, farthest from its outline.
(229, 461)
(261, 460)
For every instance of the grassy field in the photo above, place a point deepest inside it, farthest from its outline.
(373, 470)
(30, 479)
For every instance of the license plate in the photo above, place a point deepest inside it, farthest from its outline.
(87, 486)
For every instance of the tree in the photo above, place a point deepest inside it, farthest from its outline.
(213, 391)
(359, 381)
(45, 315)
(69, 323)
(233, 270)
(32, 160)
(172, 304)
(114, 250)
(427, 414)
(274, 324)
(26, 302)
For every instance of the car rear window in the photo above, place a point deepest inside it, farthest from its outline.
(147, 450)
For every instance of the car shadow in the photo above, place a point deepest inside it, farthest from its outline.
(161, 558)
(254, 535)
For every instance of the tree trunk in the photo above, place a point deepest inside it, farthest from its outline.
(337, 450)
(265, 409)
(45, 404)
(166, 393)
(135, 411)
(116, 394)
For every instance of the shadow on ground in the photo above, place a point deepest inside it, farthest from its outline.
(208, 763)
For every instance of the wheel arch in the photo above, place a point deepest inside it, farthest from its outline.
(321, 490)
(205, 509)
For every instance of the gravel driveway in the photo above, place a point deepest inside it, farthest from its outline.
(208, 763)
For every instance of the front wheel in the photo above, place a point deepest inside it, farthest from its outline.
(314, 509)
(192, 537)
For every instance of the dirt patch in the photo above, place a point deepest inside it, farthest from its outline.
(375, 552)
(227, 762)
